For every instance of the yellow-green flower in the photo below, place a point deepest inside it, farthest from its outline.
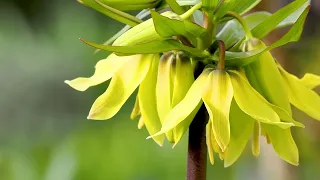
(233, 107)
(127, 73)
(300, 92)
(246, 94)
(175, 77)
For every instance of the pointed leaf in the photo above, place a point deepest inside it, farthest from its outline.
(245, 58)
(105, 69)
(241, 126)
(252, 103)
(129, 5)
(142, 14)
(283, 143)
(187, 2)
(302, 97)
(151, 47)
(311, 81)
(210, 5)
(168, 27)
(175, 6)
(122, 85)
(113, 13)
(237, 6)
(217, 97)
(289, 13)
(147, 100)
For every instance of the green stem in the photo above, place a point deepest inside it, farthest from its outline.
(175, 6)
(244, 25)
(222, 55)
(191, 11)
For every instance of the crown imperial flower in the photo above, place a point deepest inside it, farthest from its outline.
(179, 62)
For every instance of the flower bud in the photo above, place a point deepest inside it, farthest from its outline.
(142, 33)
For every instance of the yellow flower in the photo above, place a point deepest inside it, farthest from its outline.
(127, 73)
(233, 107)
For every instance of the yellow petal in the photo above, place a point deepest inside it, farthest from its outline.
(147, 101)
(122, 85)
(217, 97)
(241, 126)
(266, 79)
(256, 139)
(300, 96)
(190, 104)
(136, 109)
(252, 103)
(311, 81)
(141, 123)
(209, 144)
(164, 86)
(164, 89)
(283, 143)
(183, 80)
(104, 70)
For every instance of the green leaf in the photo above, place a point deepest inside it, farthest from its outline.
(142, 14)
(175, 6)
(236, 6)
(112, 12)
(104, 70)
(147, 100)
(241, 126)
(245, 58)
(283, 143)
(311, 81)
(302, 97)
(210, 5)
(168, 27)
(252, 103)
(232, 32)
(285, 15)
(129, 5)
(150, 48)
(187, 2)
(122, 85)
(217, 97)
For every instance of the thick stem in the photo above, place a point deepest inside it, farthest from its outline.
(197, 148)
(222, 55)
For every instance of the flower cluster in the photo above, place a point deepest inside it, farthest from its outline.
(246, 92)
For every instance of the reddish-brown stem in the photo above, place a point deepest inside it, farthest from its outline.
(197, 148)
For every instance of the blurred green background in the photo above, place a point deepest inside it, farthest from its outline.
(44, 133)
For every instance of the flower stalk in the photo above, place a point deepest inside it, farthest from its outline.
(197, 147)
(244, 25)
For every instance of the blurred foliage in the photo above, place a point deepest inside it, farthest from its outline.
(43, 131)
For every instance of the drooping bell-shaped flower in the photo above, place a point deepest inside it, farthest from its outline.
(127, 73)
